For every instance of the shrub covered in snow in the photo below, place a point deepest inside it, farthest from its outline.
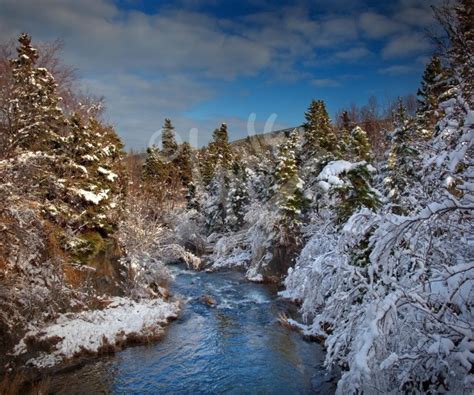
(392, 291)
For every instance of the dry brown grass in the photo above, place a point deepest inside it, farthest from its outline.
(73, 276)
(19, 383)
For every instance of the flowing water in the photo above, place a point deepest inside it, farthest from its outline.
(236, 346)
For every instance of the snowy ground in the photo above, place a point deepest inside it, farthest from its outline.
(91, 331)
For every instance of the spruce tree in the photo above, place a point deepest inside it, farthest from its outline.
(237, 198)
(217, 199)
(218, 154)
(310, 144)
(401, 162)
(192, 202)
(435, 83)
(288, 184)
(220, 148)
(355, 192)
(168, 141)
(154, 168)
(345, 135)
(37, 120)
(319, 137)
(462, 46)
(183, 163)
(360, 145)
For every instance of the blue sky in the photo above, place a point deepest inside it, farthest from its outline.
(205, 62)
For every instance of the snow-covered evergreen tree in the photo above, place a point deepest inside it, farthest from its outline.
(168, 141)
(434, 87)
(183, 163)
(289, 185)
(192, 200)
(359, 145)
(218, 153)
(154, 166)
(216, 200)
(37, 122)
(345, 133)
(391, 293)
(238, 198)
(319, 137)
(402, 161)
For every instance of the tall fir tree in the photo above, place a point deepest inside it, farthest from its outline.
(319, 137)
(37, 120)
(359, 145)
(154, 168)
(345, 134)
(192, 200)
(238, 197)
(218, 154)
(183, 163)
(462, 46)
(434, 85)
(310, 127)
(289, 186)
(402, 161)
(168, 141)
(457, 20)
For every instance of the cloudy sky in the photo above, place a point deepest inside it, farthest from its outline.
(202, 62)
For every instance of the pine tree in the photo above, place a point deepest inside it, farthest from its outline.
(462, 46)
(310, 127)
(458, 24)
(237, 198)
(220, 147)
(168, 141)
(218, 154)
(345, 139)
(154, 168)
(95, 152)
(37, 121)
(217, 199)
(319, 135)
(289, 185)
(192, 198)
(360, 145)
(435, 83)
(401, 162)
(183, 163)
(355, 193)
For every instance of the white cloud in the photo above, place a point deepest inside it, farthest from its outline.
(150, 66)
(377, 26)
(406, 44)
(325, 83)
(396, 70)
(98, 35)
(353, 54)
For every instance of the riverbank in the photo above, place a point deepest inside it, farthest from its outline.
(120, 322)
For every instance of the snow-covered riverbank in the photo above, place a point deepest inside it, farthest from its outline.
(96, 331)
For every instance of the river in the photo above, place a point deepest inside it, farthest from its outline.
(236, 346)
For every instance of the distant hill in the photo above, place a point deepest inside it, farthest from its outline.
(254, 145)
(265, 143)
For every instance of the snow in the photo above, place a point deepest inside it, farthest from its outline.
(110, 175)
(80, 167)
(335, 168)
(90, 158)
(441, 345)
(90, 330)
(92, 197)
